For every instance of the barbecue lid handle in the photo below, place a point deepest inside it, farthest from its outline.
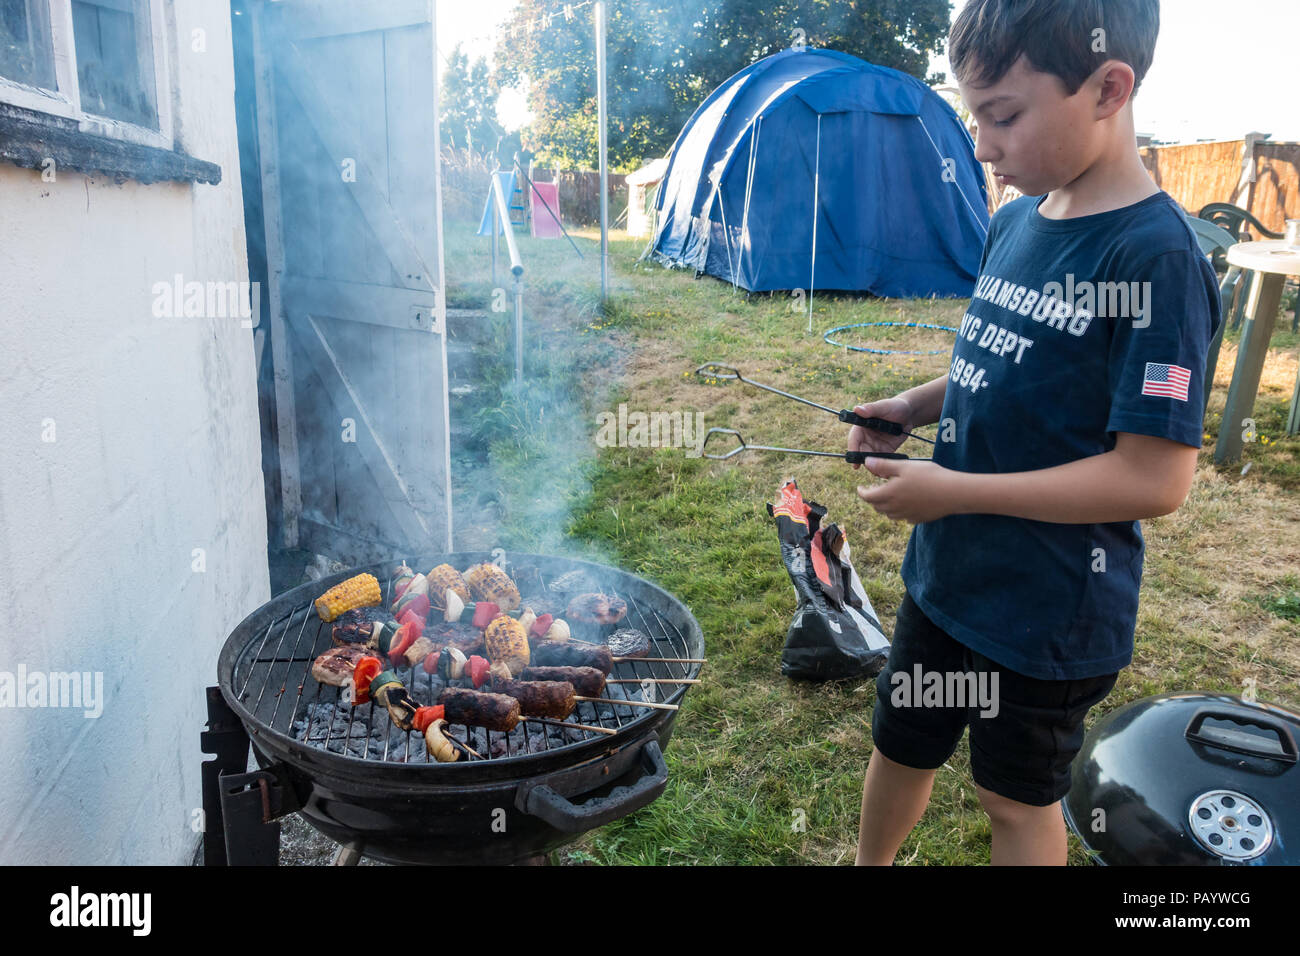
(544, 802)
(1239, 742)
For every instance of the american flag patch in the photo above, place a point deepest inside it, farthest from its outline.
(1167, 381)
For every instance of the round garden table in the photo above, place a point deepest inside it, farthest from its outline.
(1270, 261)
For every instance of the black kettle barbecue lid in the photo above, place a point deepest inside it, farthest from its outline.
(1189, 778)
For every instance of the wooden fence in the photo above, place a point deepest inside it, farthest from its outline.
(1197, 174)
(466, 180)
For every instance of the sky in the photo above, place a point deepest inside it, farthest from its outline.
(1190, 93)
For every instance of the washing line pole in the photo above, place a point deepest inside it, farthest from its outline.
(604, 158)
(817, 176)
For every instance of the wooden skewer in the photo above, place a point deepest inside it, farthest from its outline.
(652, 680)
(462, 745)
(665, 660)
(629, 703)
(565, 723)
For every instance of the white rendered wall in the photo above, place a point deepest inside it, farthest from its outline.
(156, 454)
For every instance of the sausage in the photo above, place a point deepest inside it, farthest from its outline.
(573, 654)
(587, 681)
(474, 708)
(553, 699)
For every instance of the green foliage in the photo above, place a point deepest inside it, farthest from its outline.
(468, 96)
(666, 56)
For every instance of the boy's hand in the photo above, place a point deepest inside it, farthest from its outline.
(891, 410)
(915, 492)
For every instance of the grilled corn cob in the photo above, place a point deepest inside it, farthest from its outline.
(442, 579)
(359, 591)
(487, 582)
(507, 643)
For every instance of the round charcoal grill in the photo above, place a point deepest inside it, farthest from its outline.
(1189, 780)
(368, 785)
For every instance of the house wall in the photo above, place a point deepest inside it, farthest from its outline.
(155, 454)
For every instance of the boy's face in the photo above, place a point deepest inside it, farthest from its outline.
(1037, 138)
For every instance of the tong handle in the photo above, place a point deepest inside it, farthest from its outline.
(875, 424)
(860, 457)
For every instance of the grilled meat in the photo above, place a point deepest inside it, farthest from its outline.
(487, 582)
(628, 642)
(335, 666)
(573, 581)
(573, 654)
(596, 609)
(492, 711)
(466, 639)
(354, 629)
(421, 648)
(553, 699)
(586, 681)
(544, 604)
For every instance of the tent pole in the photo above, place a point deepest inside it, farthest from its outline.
(749, 190)
(726, 233)
(603, 149)
(817, 173)
(944, 163)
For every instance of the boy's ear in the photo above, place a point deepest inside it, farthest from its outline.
(1113, 81)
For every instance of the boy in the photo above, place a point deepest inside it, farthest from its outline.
(1072, 409)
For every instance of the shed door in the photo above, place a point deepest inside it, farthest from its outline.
(347, 110)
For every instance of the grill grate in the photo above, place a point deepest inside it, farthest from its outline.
(277, 666)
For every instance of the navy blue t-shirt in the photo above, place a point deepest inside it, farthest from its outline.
(1078, 329)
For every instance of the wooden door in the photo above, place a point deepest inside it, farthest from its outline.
(347, 107)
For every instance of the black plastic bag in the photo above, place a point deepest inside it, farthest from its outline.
(835, 634)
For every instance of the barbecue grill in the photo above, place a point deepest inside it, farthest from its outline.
(372, 788)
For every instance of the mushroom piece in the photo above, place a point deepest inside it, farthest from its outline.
(439, 747)
(559, 631)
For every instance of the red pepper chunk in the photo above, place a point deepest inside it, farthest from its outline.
(410, 617)
(367, 669)
(542, 625)
(424, 716)
(431, 663)
(484, 612)
(477, 669)
(403, 639)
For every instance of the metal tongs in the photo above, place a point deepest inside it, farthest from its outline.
(716, 370)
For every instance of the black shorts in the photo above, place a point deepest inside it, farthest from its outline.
(1021, 750)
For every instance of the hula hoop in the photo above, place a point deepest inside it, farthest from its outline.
(910, 325)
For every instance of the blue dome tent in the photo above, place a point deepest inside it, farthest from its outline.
(900, 203)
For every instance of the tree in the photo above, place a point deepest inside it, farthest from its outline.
(468, 100)
(666, 56)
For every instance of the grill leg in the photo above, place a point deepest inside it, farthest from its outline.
(349, 854)
(227, 741)
(249, 807)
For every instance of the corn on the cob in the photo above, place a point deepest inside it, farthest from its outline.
(443, 578)
(507, 643)
(487, 582)
(359, 591)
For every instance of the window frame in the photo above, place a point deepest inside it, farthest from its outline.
(65, 102)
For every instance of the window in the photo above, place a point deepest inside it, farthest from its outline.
(101, 63)
(26, 54)
(115, 59)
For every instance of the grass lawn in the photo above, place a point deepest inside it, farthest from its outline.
(763, 770)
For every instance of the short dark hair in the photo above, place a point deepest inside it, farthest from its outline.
(1056, 36)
